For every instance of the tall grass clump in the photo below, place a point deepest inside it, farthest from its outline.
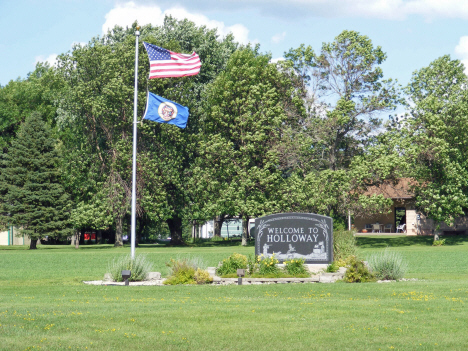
(344, 245)
(388, 265)
(140, 266)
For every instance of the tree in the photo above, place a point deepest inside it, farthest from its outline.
(19, 98)
(96, 114)
(345, 93)
(33, 198)
(434, 138)
(237, 172)
(170, 152)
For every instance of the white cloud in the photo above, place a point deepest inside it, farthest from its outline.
(389, 9)
(383, 9)
(431, 9)
(277, 38)
(462, 47)
(51, 59)
(276, 60)
(126, 13)
(462, 51)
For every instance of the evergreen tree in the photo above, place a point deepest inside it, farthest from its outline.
(33, 198)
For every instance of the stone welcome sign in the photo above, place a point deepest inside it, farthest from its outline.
(295, 235)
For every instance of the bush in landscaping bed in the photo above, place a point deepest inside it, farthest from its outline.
(139, 266)
(202, 277)
(358, 272)
(268, 265)
(232, 264)
(333, 267)
(387, 265)
(295, 267)
(187, 271)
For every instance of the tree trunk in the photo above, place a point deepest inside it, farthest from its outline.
(137, 238)
(118, 231)
(175, 227)
(99, 236)
(217, 225)
(245, 230)
(33, 244)
(81, 237)
(77, 239)
(332, 157)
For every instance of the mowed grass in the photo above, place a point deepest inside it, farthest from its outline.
(44, 305)
(424, 260)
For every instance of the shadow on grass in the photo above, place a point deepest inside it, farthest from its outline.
(221, 243)
(406, 241)
(98, 247)
(198, 243)
(204, 243)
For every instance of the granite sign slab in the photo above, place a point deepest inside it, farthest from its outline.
(295, 235)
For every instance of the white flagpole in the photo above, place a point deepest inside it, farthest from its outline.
(135, 123)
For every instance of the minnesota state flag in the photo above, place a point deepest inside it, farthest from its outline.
(161, 110)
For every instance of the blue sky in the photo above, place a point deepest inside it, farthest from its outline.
(412, 32)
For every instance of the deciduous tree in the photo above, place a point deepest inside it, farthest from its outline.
(346, 93)
(97, 112)
(238, 170)
(434, 138)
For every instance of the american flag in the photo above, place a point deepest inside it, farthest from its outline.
(165, 63)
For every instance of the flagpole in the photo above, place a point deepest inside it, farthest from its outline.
(135, 123)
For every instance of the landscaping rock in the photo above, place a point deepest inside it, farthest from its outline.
(316, 268)
(211, 271)
(153, 276)
(107, 277)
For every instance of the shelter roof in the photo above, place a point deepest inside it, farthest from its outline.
(398, 189)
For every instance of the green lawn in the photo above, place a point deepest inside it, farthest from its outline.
(43, 304)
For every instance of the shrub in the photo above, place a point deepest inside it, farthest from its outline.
(344, 245)
(358, 273)
(217, 238)
(345, 262)
(187, 271)
(202, 277)
(295, 266)
(139, 266)
(439, 242)
(232, 264)
(333, 267)
(387, 265)
(184, 276)
(268, 265)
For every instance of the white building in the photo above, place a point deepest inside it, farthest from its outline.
(9, 237)
(231, 228)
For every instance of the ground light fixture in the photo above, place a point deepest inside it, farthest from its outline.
(125, 275)
(240, 274)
